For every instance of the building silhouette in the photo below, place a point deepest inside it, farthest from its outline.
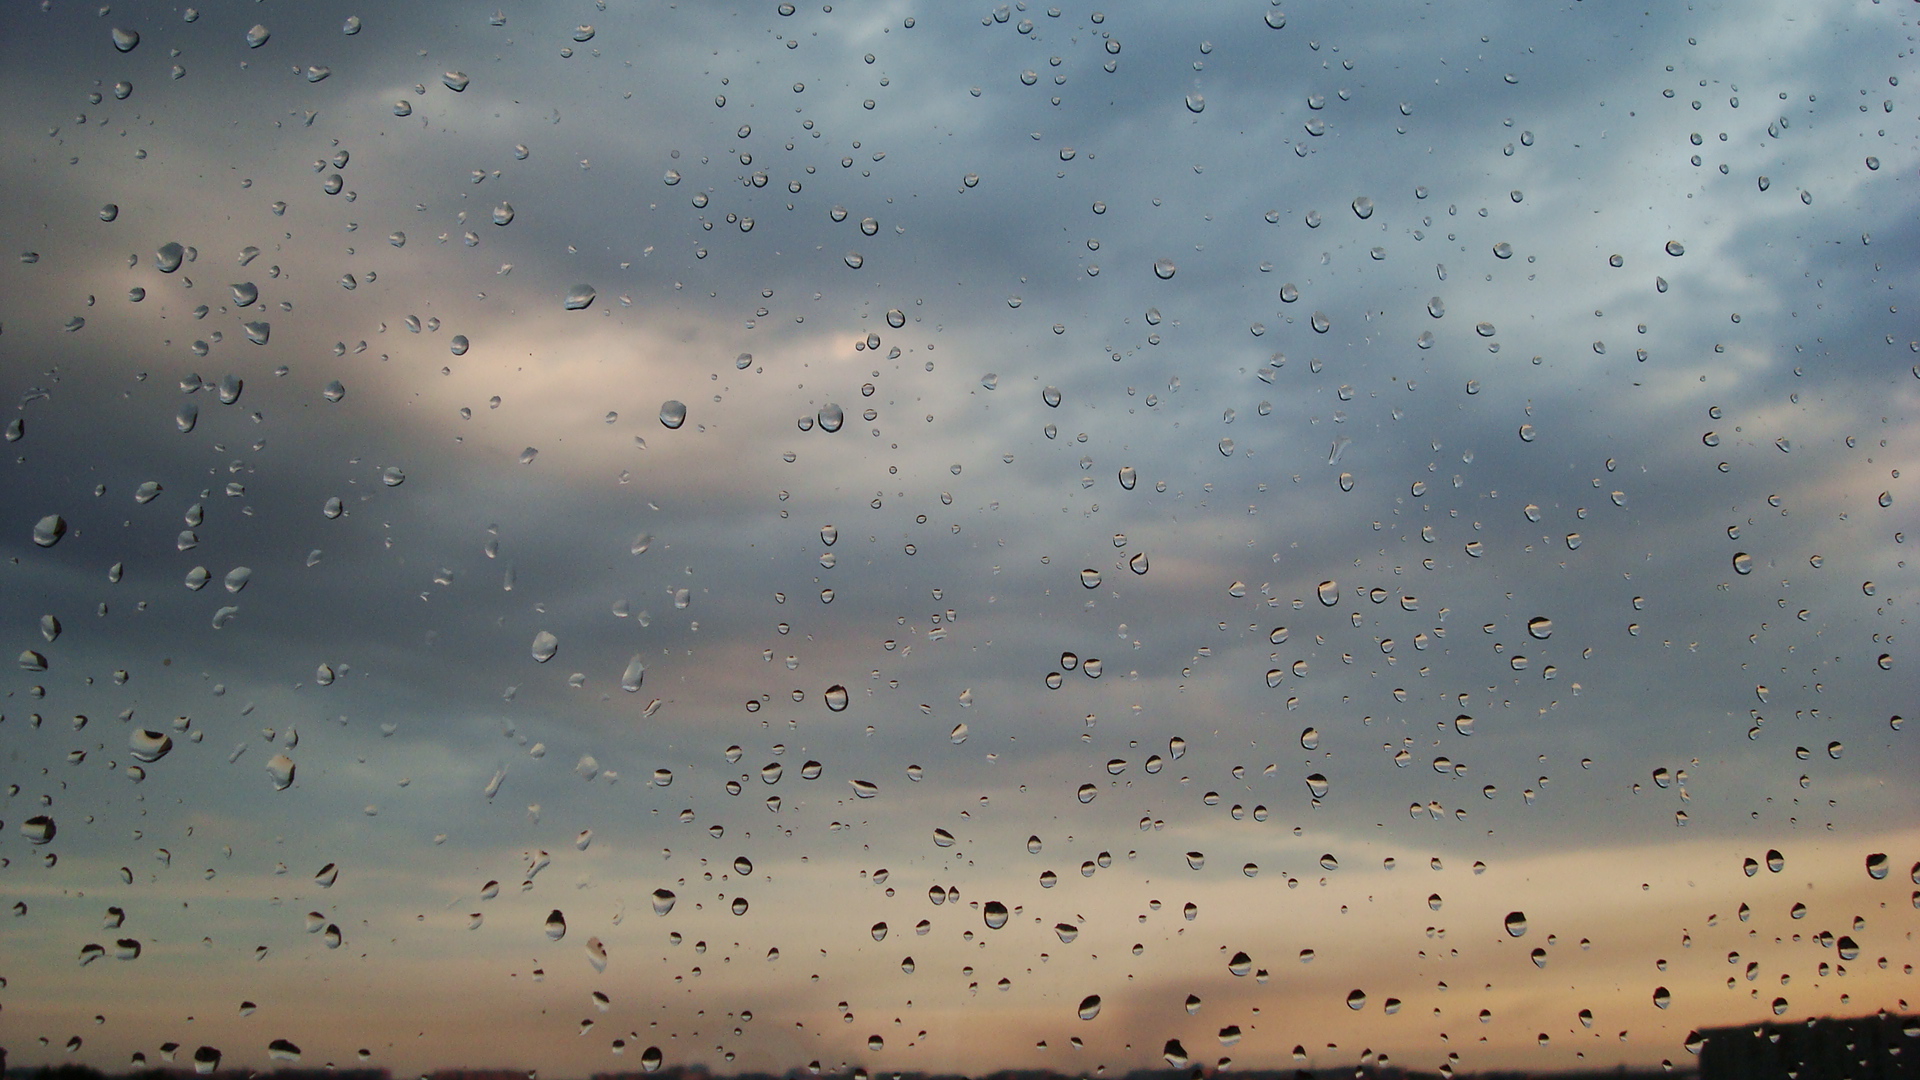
(1879, 1047)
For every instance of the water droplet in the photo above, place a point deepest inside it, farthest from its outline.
(1877, 866)
(351, 26)
(672, 414)
(544, 646)
(1661, 997)
(556, 925)
(1317, 784)
(864, 789)
(1516, 924)
(392, 476)
(578, 298)
(258, 332)
(38, 830)
(1089, 1007)
(662, 901)
(1087, 793)
(995, 914)
(1329, 592)
(1163, 269)
(1357, 1000)
(1676, 248)
(1196, 103)
(1051, 395)
(169, 256)
(1742, 563)
(1090, 578)
(1363, 208)
(455, 81)
(280, 771)
(125, 40)
(1320, 323)
(1175, 1054)
(1540, 627)
(48, 530)
(650, 1059)
(634, 676)
(831, 417)
(1503, 250)
(855, 260)
(836, 697)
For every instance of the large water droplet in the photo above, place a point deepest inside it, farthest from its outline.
(455, 81)
(1163, 269)
(995, 914)
(151, 746)
(836, 698)
(556, 925)
(280, 771)
(1089, 1006)
(578, 298)
(544, 646)
(832, 417)
(125, 40)
(672, 414)
(1516, 923)
(48, 530)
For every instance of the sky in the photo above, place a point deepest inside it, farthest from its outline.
(1176, 481)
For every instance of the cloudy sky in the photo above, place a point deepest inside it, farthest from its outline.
(1173, 481)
